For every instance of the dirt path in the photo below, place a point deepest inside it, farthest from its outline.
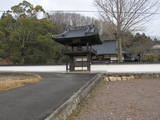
(123, 100)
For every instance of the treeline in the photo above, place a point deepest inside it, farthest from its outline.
(26, 39)
(140, 45)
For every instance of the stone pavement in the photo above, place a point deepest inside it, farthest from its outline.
(122, 100)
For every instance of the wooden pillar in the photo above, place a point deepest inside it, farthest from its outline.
(89, 57)
(68, 62)
(90, 48)
(72, 67)
(89, 66)
(87, 46)
(72, 48)
(71, 64)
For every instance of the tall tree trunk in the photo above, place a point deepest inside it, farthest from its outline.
(119, 46)
(120, 54)
(119, 28)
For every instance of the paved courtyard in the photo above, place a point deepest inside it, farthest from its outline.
(122, 100)
(36, 101)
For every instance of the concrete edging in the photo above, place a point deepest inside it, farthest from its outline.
(71, 104)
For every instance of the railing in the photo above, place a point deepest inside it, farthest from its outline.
(85, 49)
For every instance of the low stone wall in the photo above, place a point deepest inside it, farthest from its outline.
(70, 105)
(129, 76)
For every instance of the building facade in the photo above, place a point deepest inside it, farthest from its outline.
(106, 52)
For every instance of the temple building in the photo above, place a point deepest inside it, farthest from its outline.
(78, 42)
(106, 52)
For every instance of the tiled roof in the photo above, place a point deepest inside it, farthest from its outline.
(86, 34)
(74, 32)
(107, 47)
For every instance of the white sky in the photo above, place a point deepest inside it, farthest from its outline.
(152, 28)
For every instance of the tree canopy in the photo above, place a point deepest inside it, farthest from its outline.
(25, 39)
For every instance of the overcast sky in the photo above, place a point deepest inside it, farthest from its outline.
(152, 28)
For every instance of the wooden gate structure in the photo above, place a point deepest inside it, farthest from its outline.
(78, 42)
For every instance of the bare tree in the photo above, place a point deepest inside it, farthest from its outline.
(126, 15)
(62, 20)
(105, 30)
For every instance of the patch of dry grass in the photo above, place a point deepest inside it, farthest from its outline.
(14, 80)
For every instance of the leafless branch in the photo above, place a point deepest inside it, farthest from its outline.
(126, 15)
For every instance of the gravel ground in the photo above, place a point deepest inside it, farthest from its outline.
(122, 100)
